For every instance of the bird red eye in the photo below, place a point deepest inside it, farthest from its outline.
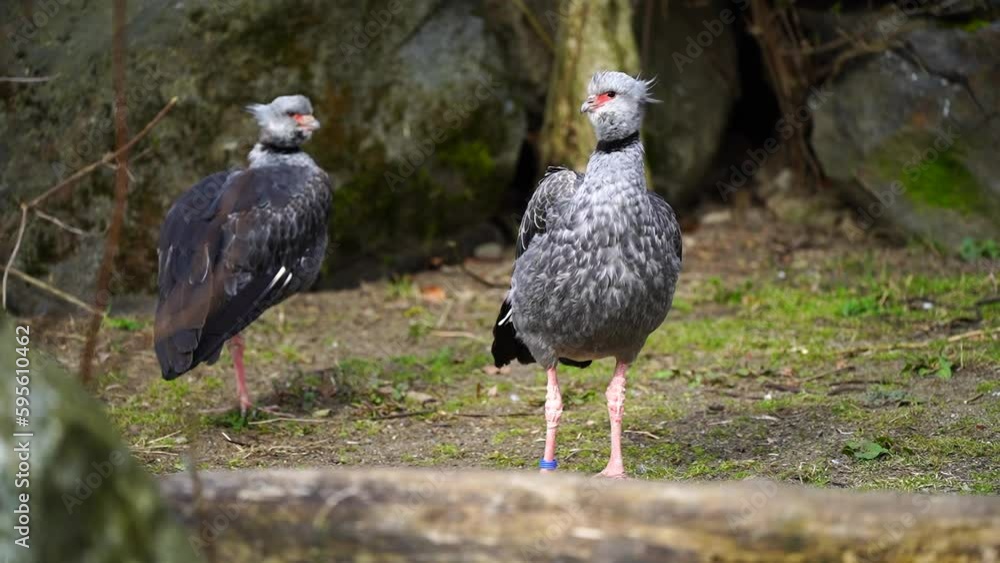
(604, 98)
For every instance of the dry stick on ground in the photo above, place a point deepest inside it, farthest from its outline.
(918, 345)
(65, 184)
(476, 277)
(101, 295)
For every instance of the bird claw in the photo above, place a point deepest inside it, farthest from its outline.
(245, 406)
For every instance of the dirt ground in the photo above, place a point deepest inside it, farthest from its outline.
(791, 354)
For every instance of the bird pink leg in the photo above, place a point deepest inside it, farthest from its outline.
(236, 349)
(616, 408)
(553, 412)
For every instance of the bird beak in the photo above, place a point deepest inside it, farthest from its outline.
(307, 122)
(588, 104)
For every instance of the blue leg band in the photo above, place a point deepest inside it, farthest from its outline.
(550, 465)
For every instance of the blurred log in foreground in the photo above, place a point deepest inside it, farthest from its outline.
(426, 515)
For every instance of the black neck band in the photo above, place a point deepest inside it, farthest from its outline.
(618, 144)
(279, 149)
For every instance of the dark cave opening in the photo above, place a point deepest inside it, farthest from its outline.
(751, 120)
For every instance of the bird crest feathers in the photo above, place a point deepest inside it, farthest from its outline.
(605, 80)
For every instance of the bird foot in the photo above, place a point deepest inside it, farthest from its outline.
(249, 408)
(245, 406)
(611, 474)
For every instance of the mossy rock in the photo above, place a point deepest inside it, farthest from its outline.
(698, 84)
(914, 147)
(390, 80)
(88, 499)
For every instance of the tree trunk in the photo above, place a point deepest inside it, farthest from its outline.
(384, 514)
(592, 35)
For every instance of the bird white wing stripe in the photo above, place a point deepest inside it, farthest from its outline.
(208, 265)
(281, 272)
(506, 318)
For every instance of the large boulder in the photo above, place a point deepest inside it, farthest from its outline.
(911, 135)
(692, 53)
(418, 121)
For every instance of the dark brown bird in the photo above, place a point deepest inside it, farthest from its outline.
(239, 242)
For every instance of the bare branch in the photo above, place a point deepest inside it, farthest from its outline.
(27, 79)
(59, 223)
(55, 291)
(13, 253)
(106, 158)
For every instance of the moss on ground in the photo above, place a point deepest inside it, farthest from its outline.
(849, 372)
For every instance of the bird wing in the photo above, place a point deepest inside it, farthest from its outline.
(223, 259)
(666, 223)
(555, 188)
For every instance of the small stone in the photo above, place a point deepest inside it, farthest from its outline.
(420, 398)
(490, 251)
(716, 217)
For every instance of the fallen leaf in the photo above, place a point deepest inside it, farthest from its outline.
(433, 294)
(492, 391)
(321, 413)
(865, 449)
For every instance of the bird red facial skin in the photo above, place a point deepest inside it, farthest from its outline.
(602, 99)
(306, 121)
(594, 103)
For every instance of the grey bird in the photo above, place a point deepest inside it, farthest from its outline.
(597, 261)
(241, 241)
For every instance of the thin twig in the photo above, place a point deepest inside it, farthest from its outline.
(919, 344)
(456, 334)
(32, 204)
(642, 433)
(106, 158)
(496, 415)
(465, 270)
(59, 223)
(284, 419)
(13, 253)
(826, 373)
(27, 79)
(536, 25)
(403, 415)
(234, 442)
(54, 291)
